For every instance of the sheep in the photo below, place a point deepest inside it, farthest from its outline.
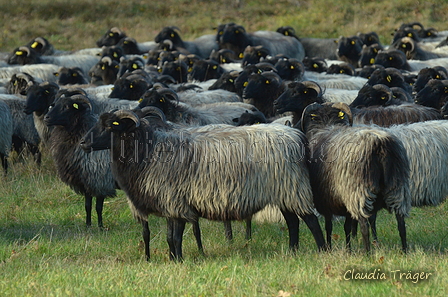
(38, 100)
(349, 49)
(24, 132)
(6, 126)
(414, 50)
(20, 83)
(225, 82)
(392, 58)
(42, 46)
(234, 37)
(131, 86)
(111, 37)
(25, 55)
(426, 74)
(434, 94)
(261, 91)
(315, 64)
(177, 112)
(203, 70)
(369, 38)
(373, 174)
(342, 68)
(390, 77)
(176, 69)
(290, 69)
(254, 54)
(70, 76)
(104, 72)
(223, 196)
(368, 54)
(88, 175)
(298, 95)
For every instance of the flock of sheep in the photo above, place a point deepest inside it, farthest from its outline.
(238, 125)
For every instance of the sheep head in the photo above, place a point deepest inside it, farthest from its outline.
(317, 116)
(68, 111)
(297, 96)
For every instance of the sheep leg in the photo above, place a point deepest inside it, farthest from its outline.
(4, 163)
(146, 234)
(99, 210)
(364, 226)
(292, 221)
(175, 232)
(88, 207)
(313, 224)
(228, 230)
(348, 228)
(372, 223)
(328, 230)
(249, 228)
(197, 235)
(402, 230)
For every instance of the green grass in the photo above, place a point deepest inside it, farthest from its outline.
(71, 25)
(46, 250)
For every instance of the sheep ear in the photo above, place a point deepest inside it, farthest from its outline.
(344, 108)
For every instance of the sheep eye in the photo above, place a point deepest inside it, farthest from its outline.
(341, 71)
(131, 86)
(383, 98)
(125, 42)
(75, 74)
(220, 32)
(305, 92)
(237, 32)
(375, 50)
(286, 33)
(403, 45)
(160, 70)
(75, 106)
(353, 42)
(390, 58)
(103, 67)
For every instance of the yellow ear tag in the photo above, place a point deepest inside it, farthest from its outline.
(75, 106)
(241, 55)
(116, 123)
(372, 61)
(19, 53)
(353, 42)
(403, 45)
(140, 100)
(313, 116)
(111, 34)
(231, 80)
(75, 74)
(15, 83)
(437, 76)
(267, 82)
(305, 92)
(292, 67)
(35, 44)
(115, 55)
(134, 66)
(383, 97)
(160, 70)
(286, 33)
(245, 84)
(409, 34)
(162, 100)
(172, 35)
(131, 86)
(341, 115)
(390, 58)
(103, 67)
(389, 78)
(215, 67)
(237, 32)
(223, 60)
(315, 65)
(341, 71)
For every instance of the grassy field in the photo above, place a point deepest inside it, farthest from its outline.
(70, 25)
(46, 250)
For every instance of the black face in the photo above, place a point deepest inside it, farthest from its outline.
(434, 94)
(24, 57)
(109, 127)
(204, 70)
(129, 88)
(40, 97)
(110, 38)
(296, 97)
(71, 76)
(177, 70)
(392, 59)
(65, 112)
(321, 116)
(372, 96)
(168, 33)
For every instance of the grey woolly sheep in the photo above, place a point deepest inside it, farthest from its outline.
(6, 126)
(371, 172)
(228, 195)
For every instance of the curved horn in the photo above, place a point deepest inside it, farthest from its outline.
(169, 92)
(127, 114)
(107, 59)
(315, 86)
(308, 109)
(174, 28)
(82, 99)
(153, 111)
(381, 87)
(115, 30)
